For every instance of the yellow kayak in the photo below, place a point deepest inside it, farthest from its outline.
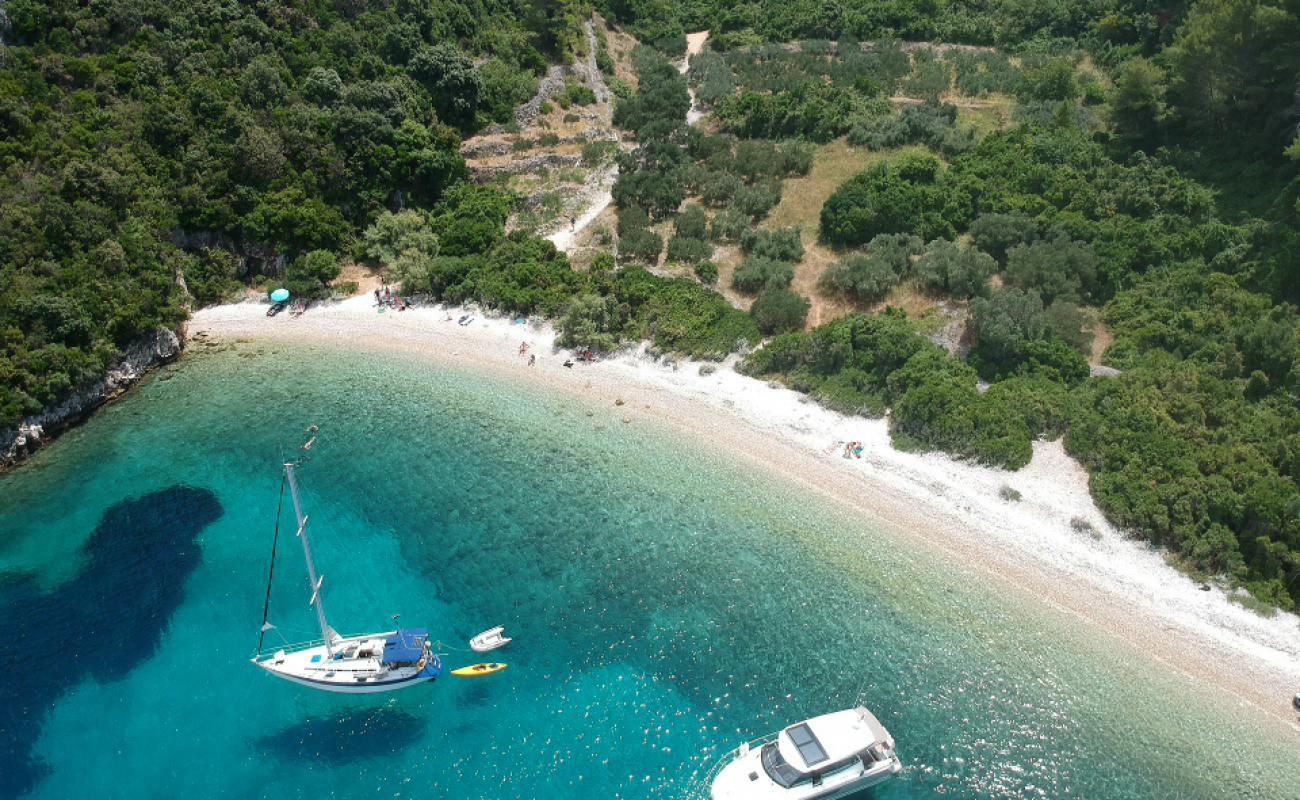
(477, 670)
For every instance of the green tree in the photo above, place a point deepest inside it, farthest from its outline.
(756, 274)
(864, 278)
(391, 235)
(1052, 81)
(452, 81)
(692, 222)
(778, 309)
(913, 196)
(947, 267)
(1137, 103)
(1053, 267)
(590, 321)
(310, 274)
(996, 233)
(1004, 323)
(1233, 62)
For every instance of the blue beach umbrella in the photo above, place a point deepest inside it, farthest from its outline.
(280, 295)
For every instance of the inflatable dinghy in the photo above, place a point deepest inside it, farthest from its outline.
(490, 640)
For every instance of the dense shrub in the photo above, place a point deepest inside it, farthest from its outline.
(688, 250)
(778, 309)
(707, 272)
(816, 110)
(756, 274)
(896, 248)
(576, 94)
(393, 234)
(782, 244)
(859, 277)
(681, 315)
(692, 222)
(984, 73)
(309, 275)
(995, 234)
(599, 151)
(1004, 323)
(861, 363)
(640, 244)
(210, 275)
(504, 86)
(755, 201)
(729, 225)
(1052, 81)
(718, 188)
(590, 320)
(1054, 267)
(880, 131)
(712, 77)
(930, 78)
(930, 124)
(661, 95)
(913, 196)
(949, 268)
(658, 191)
(470, 218)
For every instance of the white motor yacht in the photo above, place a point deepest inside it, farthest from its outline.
(823, 758)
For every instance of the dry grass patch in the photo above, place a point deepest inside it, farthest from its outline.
(985, 115)
(728, 258)
(367, 279)
(823, 309)
(620, 46)
(1102, 338)
(916, 303)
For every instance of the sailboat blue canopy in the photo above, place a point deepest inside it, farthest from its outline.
(406, 646)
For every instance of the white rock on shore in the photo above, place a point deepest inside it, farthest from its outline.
(156, 347)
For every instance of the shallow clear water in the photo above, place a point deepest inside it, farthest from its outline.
(665, 604)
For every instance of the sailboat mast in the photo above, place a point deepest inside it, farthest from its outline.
(316, 599)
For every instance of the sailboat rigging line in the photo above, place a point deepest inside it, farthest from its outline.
(266, 607)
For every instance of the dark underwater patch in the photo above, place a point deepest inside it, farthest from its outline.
(103, 623)
(345, 737)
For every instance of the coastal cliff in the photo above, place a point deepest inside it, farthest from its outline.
(156, 347)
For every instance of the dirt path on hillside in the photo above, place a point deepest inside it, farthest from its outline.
(597, 192)
(694, 46)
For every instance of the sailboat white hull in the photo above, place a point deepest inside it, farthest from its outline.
(356, 665)
(349, 688)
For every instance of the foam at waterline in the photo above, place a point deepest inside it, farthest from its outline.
(1054, 485)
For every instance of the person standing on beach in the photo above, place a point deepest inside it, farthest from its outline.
(573, 224)
(532, 360)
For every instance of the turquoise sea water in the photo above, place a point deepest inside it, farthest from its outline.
(665, 604)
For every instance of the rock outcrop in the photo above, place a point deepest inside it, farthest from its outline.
(157, 347)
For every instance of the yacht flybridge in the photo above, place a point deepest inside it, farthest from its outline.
(366, 664)
(824, 758)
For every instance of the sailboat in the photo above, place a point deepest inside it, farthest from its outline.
(365, 664)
